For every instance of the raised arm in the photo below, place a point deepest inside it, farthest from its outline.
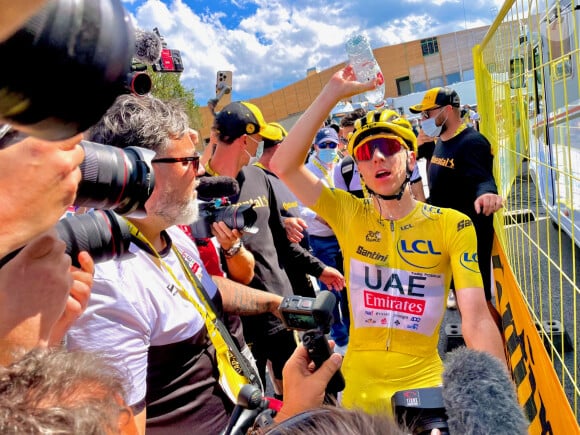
(288, 161)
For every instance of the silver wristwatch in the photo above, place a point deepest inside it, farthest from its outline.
(229, 253)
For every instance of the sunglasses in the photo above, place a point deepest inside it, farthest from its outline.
(388, 145)
(194, 160)
(426, 114)
(324, 145)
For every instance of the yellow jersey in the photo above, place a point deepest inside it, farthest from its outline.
(397, 275)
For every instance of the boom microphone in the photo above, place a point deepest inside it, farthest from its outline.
(217, 187)
(147, 47)
(479, 395)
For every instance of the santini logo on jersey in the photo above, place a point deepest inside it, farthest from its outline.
(469, 261)
(419, 253)
(372, 255)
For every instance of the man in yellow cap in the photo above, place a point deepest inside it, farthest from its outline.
(399, 254)
(461, 173)
(239, 130)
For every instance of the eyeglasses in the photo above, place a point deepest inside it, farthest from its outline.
(185, 161)
(323, 145)
(427, 113)
(388, 145)
(343, 140)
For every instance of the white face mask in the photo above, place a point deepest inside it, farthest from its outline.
(260, 150)
(429, 127)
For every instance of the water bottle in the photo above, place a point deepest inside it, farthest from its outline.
(360, 56)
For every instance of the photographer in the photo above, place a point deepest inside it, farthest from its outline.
(147, 311)
(239, 128)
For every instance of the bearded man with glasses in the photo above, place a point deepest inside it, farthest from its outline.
(147, 311)
(399, 253)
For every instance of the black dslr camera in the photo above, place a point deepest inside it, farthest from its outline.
(115, 182)
(119, 181)
(237, 217)
(313, 315)
(420, 410)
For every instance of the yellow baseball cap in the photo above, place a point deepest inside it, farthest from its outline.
(436, 97)
(239, 118)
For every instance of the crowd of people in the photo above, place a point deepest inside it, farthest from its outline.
(158, 340)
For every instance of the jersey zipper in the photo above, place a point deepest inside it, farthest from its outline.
(390, 325)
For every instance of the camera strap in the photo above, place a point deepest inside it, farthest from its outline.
(234, 368)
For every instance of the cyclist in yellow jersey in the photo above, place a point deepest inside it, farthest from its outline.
(399, 254)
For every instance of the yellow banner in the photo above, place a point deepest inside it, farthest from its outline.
(539, 390)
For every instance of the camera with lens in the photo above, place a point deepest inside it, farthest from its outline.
(314, 316)
(115, 181)
(69, 63)
(420, 410)
(102, 233)
(237, 217)
(120, 179)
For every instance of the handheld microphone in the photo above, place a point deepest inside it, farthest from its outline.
(479, 395)
(217, 187)
(147, 47)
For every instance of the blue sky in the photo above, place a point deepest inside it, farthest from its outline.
(271, 44)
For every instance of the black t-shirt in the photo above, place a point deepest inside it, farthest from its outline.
(297, 259)
(256, 189)
(461, 171)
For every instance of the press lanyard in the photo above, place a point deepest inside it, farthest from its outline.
(324, 172)
(208, 312)
(216, 329)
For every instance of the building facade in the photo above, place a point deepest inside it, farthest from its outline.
(420, 64)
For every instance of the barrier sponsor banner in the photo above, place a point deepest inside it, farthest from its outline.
(538, 388)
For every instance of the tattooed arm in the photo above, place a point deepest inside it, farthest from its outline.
(246, 301)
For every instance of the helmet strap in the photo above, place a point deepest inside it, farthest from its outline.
(398, 195)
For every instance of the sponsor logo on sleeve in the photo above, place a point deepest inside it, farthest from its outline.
(464, 224)
(431, 212)
(469, 261)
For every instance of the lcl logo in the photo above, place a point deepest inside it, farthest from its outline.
(419, 253)
(419, 247)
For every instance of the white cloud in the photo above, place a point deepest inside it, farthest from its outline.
(270, 44)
